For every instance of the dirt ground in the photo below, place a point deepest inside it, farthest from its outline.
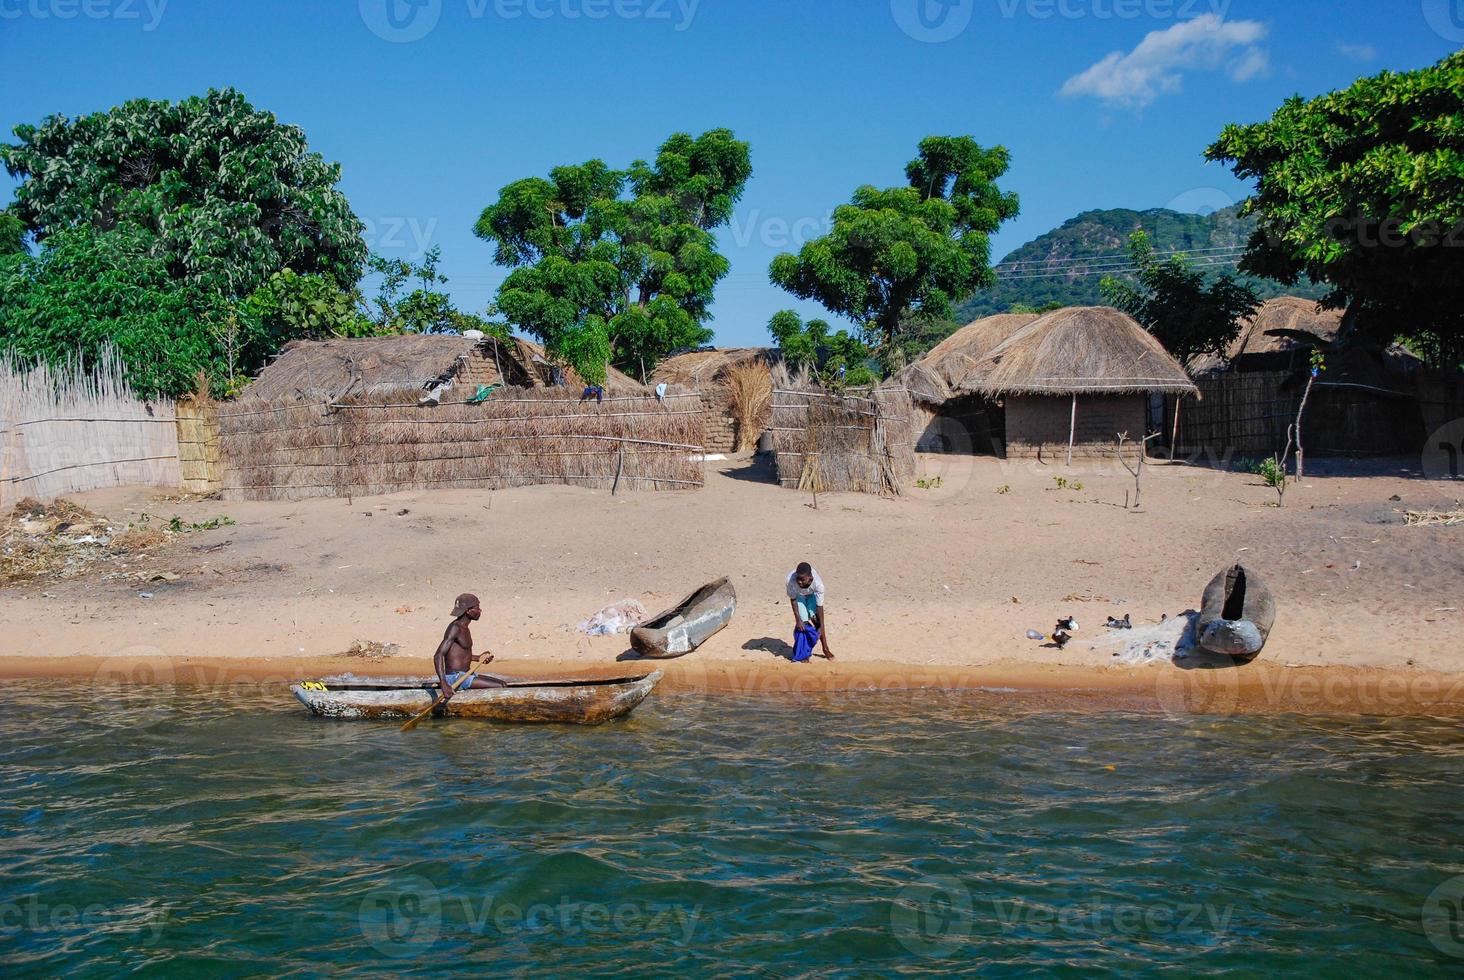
(935, 588)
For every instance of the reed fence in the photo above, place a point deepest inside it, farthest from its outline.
(380, 444)
(198, 442)
(70, 428)
(828, 441)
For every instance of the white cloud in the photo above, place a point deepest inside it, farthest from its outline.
(1357, 52)
(1156, 67)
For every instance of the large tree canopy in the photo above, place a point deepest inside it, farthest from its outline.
(89, 289)
(1363, 190)
(908, 250)
(226, 194)
(1190, 314)
(618, 267)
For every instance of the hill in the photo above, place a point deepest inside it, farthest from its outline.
(1066, 265)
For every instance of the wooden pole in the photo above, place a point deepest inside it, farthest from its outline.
(1174, 435)
(1072, 429)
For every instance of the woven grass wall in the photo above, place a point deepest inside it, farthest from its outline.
(68, 429)
(862, 442)
(382, 444)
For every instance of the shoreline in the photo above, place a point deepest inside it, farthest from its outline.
(1256, 689)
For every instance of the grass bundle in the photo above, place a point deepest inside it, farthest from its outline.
(858, 441)
(382, 443)
(750, 398)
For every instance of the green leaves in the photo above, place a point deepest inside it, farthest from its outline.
(899, 251)
(837, 358)
(1189, 315)
(1363, 189)
(618, 266)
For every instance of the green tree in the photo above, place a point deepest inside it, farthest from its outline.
(426, 309)
(87, 289)
(225, 194)
(1363, 190)
(290, 307)
(837, 358)
(908, 250)
(1189, 314)
(618, 267)
(12, 234)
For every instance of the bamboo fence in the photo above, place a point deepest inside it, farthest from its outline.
(198, 442)
(380, 444)
(69, 428)
(827, 441)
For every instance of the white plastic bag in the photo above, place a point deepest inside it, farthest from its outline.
(618, 617)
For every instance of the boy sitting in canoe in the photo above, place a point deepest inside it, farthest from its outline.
(806, 596)
(455, 653)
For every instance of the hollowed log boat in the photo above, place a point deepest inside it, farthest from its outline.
(572, 701)
(688, 624)
(1236, 613)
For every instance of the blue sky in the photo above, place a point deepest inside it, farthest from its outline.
(432, 105)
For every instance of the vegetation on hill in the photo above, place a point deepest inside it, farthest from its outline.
(1066, 266)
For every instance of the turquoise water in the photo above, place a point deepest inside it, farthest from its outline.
(168, 833)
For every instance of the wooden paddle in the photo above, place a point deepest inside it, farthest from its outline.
(467, 675)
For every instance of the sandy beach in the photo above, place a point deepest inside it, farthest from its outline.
(935, 589)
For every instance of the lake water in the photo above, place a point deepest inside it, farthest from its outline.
(161, 831)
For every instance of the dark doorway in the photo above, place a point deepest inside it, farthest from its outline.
(969, 425)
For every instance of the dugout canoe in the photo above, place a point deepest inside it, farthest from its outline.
(688, 624)
(1236, 613)
(573, 701)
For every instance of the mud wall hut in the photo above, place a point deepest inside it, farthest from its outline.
(1060, 385)
(952, 413)
(346, 418)
(736, 388)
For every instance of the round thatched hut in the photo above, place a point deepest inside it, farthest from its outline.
(953, 415)
(1062, 384)
(736, 388)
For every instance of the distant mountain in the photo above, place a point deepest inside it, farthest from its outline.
(1066, 265)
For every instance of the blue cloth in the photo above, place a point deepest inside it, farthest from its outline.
(452, 679)
(805, 638)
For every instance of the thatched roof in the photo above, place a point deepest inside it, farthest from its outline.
(952, 367)
(699, 368)
(1081, 350)
(1285, 313)
(333, 369)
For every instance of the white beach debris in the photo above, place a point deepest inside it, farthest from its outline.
(1173, 639)
(618, 617)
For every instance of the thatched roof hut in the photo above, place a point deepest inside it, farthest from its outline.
(736, 387)
(1081, 350)
(952, 367)
(327, 370)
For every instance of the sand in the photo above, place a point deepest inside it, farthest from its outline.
(935, 589)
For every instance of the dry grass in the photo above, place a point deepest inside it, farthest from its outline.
(62, 540)
(1434, 518)
(954, 366)
(70, 428)
(1081, 350)
(519, 437)
(750, 400)
(857, 441)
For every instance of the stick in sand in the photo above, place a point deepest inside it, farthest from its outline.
(440, 698)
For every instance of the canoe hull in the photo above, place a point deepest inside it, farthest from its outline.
(574, 702)
(1236, 614)
(688, 624)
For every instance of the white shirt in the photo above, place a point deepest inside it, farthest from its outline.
(815, 588)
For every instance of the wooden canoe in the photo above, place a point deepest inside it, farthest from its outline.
(571, 701)
(688, 624)
(1236, 613)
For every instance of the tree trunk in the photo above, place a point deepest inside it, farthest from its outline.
(1072, 430)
